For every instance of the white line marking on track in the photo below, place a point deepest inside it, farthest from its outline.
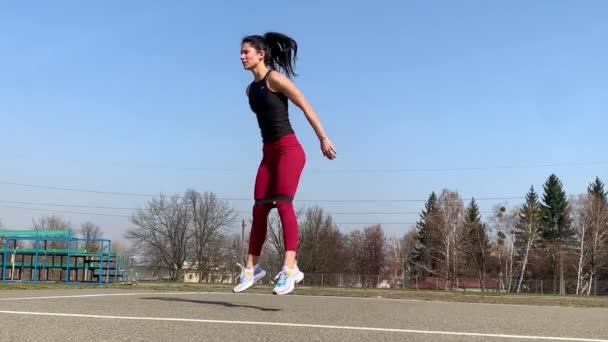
(411, 331)
(101, 295)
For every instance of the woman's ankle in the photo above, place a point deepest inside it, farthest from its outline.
(290, 259)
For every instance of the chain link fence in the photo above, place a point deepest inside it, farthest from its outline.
(530, 286)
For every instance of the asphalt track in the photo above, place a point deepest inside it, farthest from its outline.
(135, 315)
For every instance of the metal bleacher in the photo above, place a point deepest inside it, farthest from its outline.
(57, 256)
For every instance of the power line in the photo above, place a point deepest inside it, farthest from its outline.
(399, 200)
(76, 190)
(238, 211)
(63, 211)
(127, 216)
(69, 205)
(251, 200)
(472, 168)
(242, 212)
(354, 170)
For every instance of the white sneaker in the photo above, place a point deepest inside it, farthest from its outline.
(248, 277)
(288, 278)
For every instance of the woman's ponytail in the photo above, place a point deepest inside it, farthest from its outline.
(283, 51)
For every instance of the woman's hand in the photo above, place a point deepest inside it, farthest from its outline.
(327, 148)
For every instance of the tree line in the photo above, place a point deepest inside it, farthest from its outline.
(196, 228)
(549, 236)
(552, 236)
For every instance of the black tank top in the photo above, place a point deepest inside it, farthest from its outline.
(271, 110)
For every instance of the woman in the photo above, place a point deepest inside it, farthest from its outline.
(283, 157)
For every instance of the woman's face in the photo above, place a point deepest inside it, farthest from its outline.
(250, 57)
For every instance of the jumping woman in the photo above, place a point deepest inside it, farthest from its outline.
(283, 157)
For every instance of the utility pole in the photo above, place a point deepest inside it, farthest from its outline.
(243, 242)
(403, 264)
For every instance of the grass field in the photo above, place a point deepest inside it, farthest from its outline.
(488, 298)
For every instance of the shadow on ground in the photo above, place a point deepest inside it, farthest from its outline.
(209, 302)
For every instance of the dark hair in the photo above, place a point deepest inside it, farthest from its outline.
(278, 48)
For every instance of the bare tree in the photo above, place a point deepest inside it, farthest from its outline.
(407, 244)
(276, 240)
(355, 257)
(210, 217)
(394, 264)
(438, 250)
(510, 267)
(161, 232)
(232, 253)
(398, 258)
(447, 235)
(53, 222)
(217, 255)
(597, 214)
(365, 251)
(89, 230)
(528, 231)
(275, 249)
(320, 247)
(592, 233)
(374, 249)
(504, 222)
(579, 222)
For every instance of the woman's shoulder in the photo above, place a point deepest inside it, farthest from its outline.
(277, 82)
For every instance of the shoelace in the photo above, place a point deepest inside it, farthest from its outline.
(281, 276)
(242, 274)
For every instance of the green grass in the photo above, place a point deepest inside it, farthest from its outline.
(58, 285)
(422, 295)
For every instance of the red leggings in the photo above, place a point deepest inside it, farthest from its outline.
(275, 186)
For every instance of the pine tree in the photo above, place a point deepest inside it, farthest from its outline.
(596, 189)
(476, 242)
(527, 230)
(555, 211)
(557, 228)
(423, 236)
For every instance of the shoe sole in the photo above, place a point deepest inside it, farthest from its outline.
(292, 287)
(257, 278)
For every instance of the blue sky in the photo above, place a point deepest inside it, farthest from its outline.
(147, 97)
